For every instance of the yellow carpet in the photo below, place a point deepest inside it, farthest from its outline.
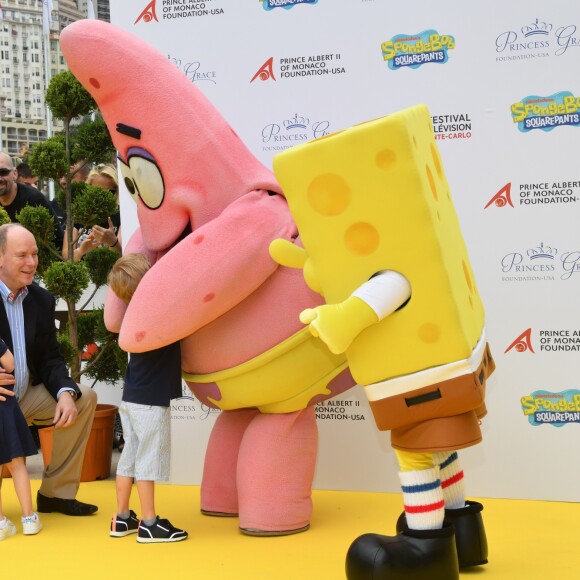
(528, 540)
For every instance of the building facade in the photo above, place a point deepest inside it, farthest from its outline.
(29, 57)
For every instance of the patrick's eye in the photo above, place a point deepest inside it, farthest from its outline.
(128, 180)
(130, 185)
(143, 179)
(148, 181)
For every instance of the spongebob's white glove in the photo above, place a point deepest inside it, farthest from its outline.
(337, 325)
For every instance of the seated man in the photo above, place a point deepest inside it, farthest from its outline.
(41, 382)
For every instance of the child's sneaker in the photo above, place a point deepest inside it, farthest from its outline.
(31, 524)
(121, 527)
(160, 531)
(7, 529)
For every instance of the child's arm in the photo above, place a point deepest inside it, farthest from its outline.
(114, 311)
(6, 357)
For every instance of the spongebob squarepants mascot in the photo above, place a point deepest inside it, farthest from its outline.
(382, 244)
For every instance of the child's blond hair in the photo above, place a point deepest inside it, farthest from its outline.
(126, 274)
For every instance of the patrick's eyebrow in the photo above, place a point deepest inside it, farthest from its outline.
(128, 130)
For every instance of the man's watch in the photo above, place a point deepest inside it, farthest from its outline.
(72, 394)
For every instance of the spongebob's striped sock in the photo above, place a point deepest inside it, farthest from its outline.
(452, 480)
(423, 498)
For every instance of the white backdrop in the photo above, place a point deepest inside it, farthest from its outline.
(285, 71)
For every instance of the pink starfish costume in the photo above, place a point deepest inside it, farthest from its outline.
(208, 210)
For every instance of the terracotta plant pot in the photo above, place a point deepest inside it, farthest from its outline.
(97, 462)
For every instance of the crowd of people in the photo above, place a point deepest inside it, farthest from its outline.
(19, 188)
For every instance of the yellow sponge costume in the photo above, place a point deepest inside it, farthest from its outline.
(375, 198)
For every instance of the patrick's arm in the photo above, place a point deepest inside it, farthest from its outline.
(208, 273)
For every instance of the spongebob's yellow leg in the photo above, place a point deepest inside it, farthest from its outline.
(414, 461)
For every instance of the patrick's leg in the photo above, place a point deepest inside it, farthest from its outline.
(219, 493)
(275, 472)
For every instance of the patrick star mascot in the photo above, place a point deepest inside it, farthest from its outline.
(207, 212)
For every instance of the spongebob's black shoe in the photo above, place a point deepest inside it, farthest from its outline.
(470, 537)
(410, 555)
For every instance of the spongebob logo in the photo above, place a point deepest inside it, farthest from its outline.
(557, 409)
(416, 50)
(286, 4)
(546, 113)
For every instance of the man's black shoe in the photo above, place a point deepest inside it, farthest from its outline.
(69, 507)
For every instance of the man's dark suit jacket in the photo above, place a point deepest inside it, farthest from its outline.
(45, 361)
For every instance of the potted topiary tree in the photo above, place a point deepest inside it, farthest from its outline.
(84, 206)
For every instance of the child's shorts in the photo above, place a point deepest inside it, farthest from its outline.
(147, 451)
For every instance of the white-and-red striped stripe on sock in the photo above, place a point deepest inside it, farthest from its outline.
(423, 498)
(452, 481)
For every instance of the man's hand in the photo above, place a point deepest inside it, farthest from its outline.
(5, 379)
(66, 411)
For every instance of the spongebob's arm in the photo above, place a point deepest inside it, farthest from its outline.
(338, 325)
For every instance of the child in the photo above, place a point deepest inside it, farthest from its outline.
(16, 443)
(151, 380)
